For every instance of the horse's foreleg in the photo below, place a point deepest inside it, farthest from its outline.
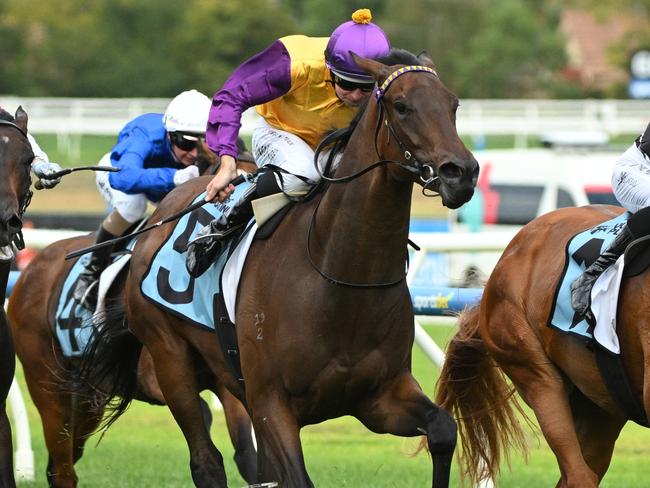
(280, 451)
(6, 451)
(240, 430)
(56, 416)
(7, 367)
(403, 409)
(175, 374)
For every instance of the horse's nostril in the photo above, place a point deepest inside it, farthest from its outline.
(450, 171)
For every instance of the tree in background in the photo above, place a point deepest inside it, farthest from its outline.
(217, 36)
(483, 48)
(619, 52)
(319, 18)
(157, 48)
(130, 48)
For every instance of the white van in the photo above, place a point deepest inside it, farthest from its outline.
(515, 186)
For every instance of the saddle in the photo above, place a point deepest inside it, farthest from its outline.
(637, 257)
(600, 336)
(637, 260)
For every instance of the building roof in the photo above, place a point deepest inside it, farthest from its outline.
(588, 40)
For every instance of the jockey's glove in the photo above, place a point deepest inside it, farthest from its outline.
(42, 170)
(185, 174)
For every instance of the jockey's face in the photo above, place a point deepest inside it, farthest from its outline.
(351, 94)
(351, 98)
(185, 147)
(186, 158)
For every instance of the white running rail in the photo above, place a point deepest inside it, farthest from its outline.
(24, 455)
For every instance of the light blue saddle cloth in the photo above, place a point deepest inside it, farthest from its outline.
(73, 323)
(582, 250)
(167, 283)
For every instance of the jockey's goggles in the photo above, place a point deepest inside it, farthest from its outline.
(353, 85)
(185, 142)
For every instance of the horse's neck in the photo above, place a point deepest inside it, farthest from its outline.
(365, 220)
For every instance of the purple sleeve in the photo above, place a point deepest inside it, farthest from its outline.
(264, 77)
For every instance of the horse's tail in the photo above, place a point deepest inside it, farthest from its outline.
(107, 374)
(474, 389)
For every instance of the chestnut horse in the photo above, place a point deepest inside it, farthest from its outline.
(15, 159)
(68, 420)
(324, 316)
(555, 374)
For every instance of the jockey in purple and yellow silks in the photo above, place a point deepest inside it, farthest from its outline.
(302, 87)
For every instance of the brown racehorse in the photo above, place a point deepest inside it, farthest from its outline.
(15, 158)
(324, 316)
(554, 372)
(68, 420)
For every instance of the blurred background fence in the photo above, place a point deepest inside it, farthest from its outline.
(590, 118)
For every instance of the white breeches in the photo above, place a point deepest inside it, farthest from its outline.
(131, 207)
(631, 180)
(289, 152)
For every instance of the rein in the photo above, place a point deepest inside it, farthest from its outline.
(18, 239)
(11, 124)
(426, 172)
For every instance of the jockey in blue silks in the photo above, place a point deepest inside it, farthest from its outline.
(155, 153)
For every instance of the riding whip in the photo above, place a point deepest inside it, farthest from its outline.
(236, 181)
(57, 174)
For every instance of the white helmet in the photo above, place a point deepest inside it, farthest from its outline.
(187, 112)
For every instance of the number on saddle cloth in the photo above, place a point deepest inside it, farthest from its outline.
(73, 322)
(168, 285)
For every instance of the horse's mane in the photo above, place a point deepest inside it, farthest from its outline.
(338, 139)
(4, 115)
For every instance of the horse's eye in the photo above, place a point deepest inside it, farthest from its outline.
(401, 107)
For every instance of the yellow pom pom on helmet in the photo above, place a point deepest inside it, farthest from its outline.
(362, 16)
(360, 36)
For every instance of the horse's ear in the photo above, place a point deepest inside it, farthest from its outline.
(377, 70)
(426, 60)
(21, 118)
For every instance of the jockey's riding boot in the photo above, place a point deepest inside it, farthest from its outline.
(581, 287)
(210, 241)
(87, 285)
